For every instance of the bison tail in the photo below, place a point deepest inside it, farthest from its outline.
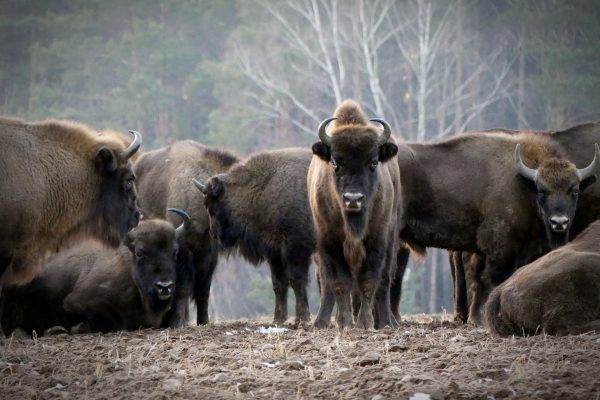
(496, 322)
(418, 252)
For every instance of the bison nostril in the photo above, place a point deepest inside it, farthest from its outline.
(164, 287)
(353, 197)
(559, 222)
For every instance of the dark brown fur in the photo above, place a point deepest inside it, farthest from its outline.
(355, 248)
(465, 194)
(164, 180)
(98, 288)
(260, 208)
(59, 180)
(557, 294)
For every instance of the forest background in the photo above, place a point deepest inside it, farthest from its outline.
(251, 75)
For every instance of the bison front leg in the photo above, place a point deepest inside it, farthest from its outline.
(461, 311)
(327, 299)
(299, 282)
(396, 284)
(279, 278)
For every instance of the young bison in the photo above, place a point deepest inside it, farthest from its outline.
(91, 287)
(260, 208)
(558, 294)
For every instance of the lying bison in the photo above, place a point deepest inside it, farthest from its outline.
(60, 179)
(164, 179)
(557, 294)
(92, 287)
(260, 208)
(354, 196)
(506, 197)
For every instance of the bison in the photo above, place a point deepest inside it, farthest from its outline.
(92, 287)
(354, 197)
(558, 294)
(260, 208)
(506, 197)
(60, 179)
(164, 179)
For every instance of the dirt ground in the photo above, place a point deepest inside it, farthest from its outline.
(427, 357)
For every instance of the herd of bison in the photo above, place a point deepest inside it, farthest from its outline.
(100, 236)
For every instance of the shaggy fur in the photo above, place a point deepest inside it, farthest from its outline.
(260, 209)
(465, 193)
(164, 180)
(59, 180)
(355, 248)
(96, 287)
(558, 294)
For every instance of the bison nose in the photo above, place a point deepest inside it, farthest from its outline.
(164, 289)
(559, 223)
(353, 201)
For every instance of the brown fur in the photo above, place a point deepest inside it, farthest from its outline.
(558, 294)
(464, 193)
(164, 180)
(52, 192)
(97, 287)
(354, 247)
(259, 208)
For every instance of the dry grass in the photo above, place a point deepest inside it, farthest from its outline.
(427, 354)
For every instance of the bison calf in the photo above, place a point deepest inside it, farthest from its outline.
(98, 288)
(260, 207)
(557, 294)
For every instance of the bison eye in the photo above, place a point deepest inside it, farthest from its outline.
(129, 184)
(139, 254)
(373, 165)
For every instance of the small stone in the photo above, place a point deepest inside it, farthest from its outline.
(220, 378)
(293, 365)
(377, 397)
(369, 358)
(172, 384)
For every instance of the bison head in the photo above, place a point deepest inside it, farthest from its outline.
(557, 183)
(222, 224)
(117, 205)
(153, 245)
(354, 149)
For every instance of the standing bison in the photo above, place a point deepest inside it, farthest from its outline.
(60, 179)
(507, 197)
(354, 196)
(557, 294)
(92, 287)
(260, 207)
(164, 180)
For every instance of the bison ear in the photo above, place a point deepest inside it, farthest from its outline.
(322, 151)
(214, 187)
(129, 240)
(106, 161)
(587, 182)
(387, 151)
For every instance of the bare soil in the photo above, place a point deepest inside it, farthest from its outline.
(427, 357)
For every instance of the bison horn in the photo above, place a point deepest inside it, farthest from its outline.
(588, 171)
(322, 131)
(201, 186)
(387, 131)
(134, 146)
(524, 170)
(186, 221)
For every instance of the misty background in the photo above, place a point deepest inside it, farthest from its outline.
(251, 75)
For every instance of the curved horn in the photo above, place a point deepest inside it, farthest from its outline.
(186, 221)
(588, 171)
(524, 170)
(387, 131)
(322, 131)
(134, 146)
(201, 186)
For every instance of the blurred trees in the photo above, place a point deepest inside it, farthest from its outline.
(258, 74)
